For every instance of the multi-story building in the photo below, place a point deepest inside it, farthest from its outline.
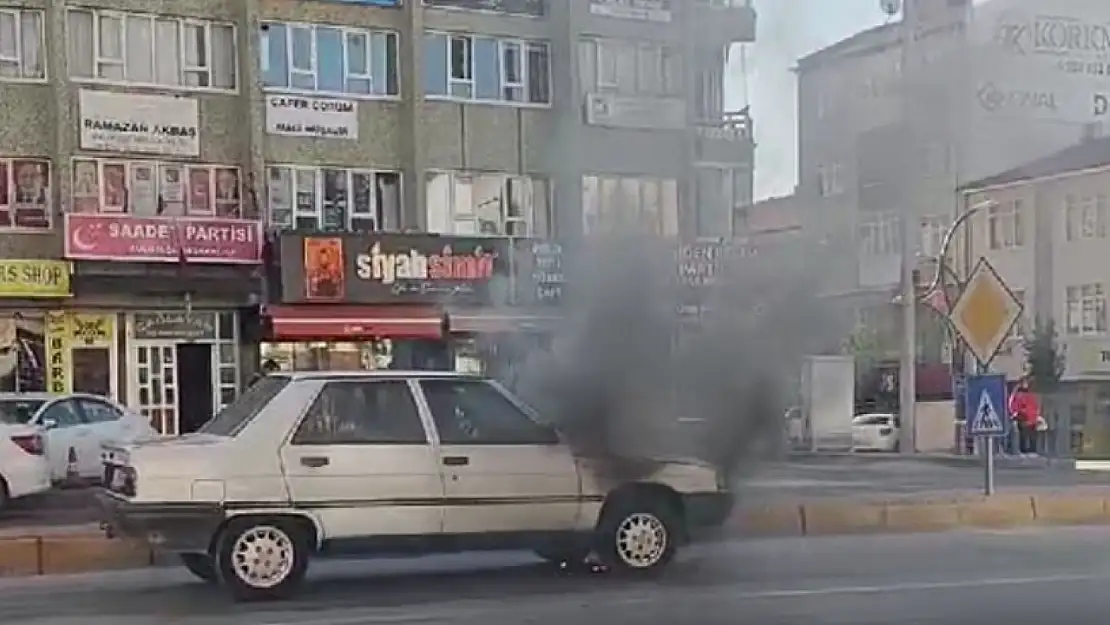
(156, 146)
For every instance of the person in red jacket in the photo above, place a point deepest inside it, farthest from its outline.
(1025, 410)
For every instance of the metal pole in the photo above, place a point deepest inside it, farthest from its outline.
(907, 386)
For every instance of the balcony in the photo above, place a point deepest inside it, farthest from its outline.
(728, 141)
(722, 22)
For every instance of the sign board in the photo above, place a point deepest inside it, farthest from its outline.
(128, 122)
(177, 325)
(322, 118)
(985, 406)
(34, 278)
(640, 10)
(985, 312)
(163, 239)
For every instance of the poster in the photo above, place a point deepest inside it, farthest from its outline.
(323, 269)
(5, 199)
(57, 353)
(172, 190)
(143, 192)
(31, 195)
(336, 197)
(200, 191)
(115, 188)
(279, 191)
(86, 187)
(228, 196)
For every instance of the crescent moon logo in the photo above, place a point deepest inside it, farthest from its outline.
(79, 242)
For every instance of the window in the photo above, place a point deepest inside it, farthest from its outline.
(1085, 216)
(25, 193)
(19, 411)
(98, 411)
(629, 67)
(239, 413)
(317, 58)
(933, 229)
(472, 412)
(151, 188)
(881, 235)
(830, 179)
(1005, 228)
(362, 413)
(22, 45)
(1086, 309)
(615, 204)
(333, 199)
(486, 69)
(488, 204)
(155, 50)
(62, 414)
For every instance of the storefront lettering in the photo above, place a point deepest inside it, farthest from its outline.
(42, 275)
(140, 128)
(175, 325)
(1057, 35)
(323, 106)
(447, 265)
(991, 98)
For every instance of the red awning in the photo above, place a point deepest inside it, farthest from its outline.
(350, 322)
(499, 323)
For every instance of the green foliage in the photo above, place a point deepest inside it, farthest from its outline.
(1044, 360)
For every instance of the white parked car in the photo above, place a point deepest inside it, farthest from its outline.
(23, 467)
(75, 426)
(305, 465)
(875, 431)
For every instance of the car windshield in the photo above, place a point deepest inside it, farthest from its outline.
(19, 411)
(236, 415)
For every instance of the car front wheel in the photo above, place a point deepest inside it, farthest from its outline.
(200, 565)
(262, 559)
(638, 536)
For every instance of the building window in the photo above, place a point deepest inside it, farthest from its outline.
(1086, 309)
(629, 67)
(333, 199)
(487, 69)
(315, 58)
(933, 229)
(1005, 226)
(153, 50)
(881, 235)
(1021, 326)
(830, 179)
(628, 204)
(151, 188)
(466, 203)
(1086, 216)
(22, 45)
(25, 193)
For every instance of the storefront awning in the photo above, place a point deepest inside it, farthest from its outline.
(348, 322)
(499, 323)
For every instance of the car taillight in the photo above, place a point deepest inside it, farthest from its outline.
(30, 443)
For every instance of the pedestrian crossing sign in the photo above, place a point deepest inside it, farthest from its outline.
(985, 408)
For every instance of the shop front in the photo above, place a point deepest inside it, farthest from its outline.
(401, 301)
(29, 290)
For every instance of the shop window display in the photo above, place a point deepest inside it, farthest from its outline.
(368, 355)
(22, 353)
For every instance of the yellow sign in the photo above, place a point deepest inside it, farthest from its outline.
(985, 312)
(34, 278)
(92, 330)
(58, 364)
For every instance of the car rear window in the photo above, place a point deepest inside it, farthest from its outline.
(236, 415)
(18, 411)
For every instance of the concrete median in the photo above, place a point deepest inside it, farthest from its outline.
(77, 550)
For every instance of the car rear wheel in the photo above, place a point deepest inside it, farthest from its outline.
(262, 559)
(638, 536)
(201, 565)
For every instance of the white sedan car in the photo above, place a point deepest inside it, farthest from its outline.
(74, 427)
(875, 431)
(23, 467)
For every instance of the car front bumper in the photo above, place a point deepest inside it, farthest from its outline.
(180, 527)
(706, 513)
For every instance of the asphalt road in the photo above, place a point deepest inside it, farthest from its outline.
(1019, 577)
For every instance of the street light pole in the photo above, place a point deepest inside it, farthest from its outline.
(907, 378)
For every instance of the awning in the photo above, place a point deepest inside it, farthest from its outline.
(499, 322)
(313, 322)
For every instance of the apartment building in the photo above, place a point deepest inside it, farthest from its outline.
(158, 148)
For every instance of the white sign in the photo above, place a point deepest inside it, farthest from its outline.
(325, 118)
(644, 10)
(153, 124)
(986, 419)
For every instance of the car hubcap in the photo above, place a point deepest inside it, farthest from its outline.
(641, 540)
(263, 556)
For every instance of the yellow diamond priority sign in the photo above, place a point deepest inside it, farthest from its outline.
(984, 312)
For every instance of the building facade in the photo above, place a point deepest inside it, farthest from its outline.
(157, 150)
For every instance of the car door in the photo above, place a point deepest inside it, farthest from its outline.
(361, 461)
(104, 422)
(65, 431)
(502, 471)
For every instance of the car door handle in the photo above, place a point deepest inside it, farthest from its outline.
(456, 461)
(315, 461)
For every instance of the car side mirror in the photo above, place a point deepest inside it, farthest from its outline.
(49, 424)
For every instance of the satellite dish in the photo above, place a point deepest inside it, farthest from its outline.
(890, 7)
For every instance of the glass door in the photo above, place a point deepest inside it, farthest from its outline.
(156, 373)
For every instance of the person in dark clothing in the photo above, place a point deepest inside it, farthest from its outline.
(268, 366)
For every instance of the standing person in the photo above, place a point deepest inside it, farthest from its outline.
(1026, 412)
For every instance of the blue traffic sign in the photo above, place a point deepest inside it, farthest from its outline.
(985, 407)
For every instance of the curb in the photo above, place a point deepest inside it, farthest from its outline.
(84, 551)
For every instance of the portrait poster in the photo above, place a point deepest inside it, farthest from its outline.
(30, 207)
(200, 191)
(86, 187)
(324, 274)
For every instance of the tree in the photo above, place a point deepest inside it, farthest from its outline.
(1044, 361)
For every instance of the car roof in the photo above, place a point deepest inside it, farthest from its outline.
(44, 396)
(379, 373)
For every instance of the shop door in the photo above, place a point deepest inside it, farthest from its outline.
(156, 382)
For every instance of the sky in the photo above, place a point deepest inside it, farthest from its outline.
(787, 30)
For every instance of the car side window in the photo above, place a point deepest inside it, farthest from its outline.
(98, 411)
(362, 413)
(472, 412)
(63, 414)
